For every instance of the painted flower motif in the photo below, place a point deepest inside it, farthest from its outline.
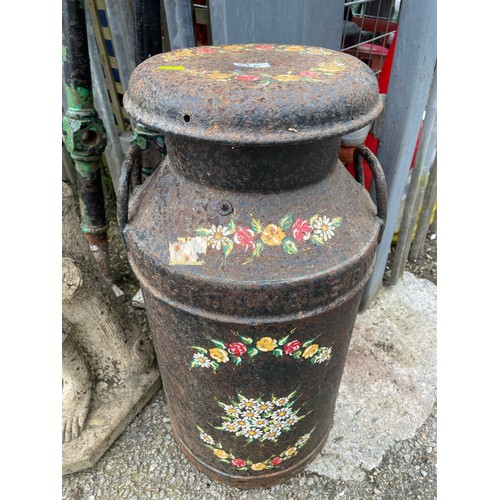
(241, 423)
(218, 237)
(301, 230)
(291, 451)
(294, 48)
(282, 401)
(238, 462)
(258, 466)
(231, 411)
(272, 235)
(244, 238)
(310, 351)
(324, 354)
(324, 227)
(282, 413)
(309, 74)
(201, 360)
(303, 440)
(275, 461)
(291, 420)
(287, 78)
(264, 406)
(237, 349)
(252, 433)
(266, 344)
(219, 355)
(206, 50)
(217, 75)
(271, 434)
(247, 403)
(220, 453)
(291, 347)
(250, 414)
(229, 426)
(248, 78)
(233, 48)
(206, 438)
(259, 422)
(264, 47)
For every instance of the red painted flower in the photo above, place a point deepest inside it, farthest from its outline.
(310, 74)
(206, 50)
(264, 47)
(237, 349)
(301, 230)
(291, 347)
(276, 461)
(244, 238)
(248, 78)
(238, 462)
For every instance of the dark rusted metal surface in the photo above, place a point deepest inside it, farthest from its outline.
(252, 244)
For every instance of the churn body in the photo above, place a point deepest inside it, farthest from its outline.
(252, 244)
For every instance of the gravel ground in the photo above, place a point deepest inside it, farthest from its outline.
(408, 470)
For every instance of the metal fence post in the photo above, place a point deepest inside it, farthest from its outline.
(411, 78)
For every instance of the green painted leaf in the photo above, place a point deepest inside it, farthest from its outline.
(218, 344)
(235, 360)
(337, 221)
(307, 343)
(246, 340)
(231, 227)
(278, 352)
(313, 218)
(253, 351)
(215, 365)
(283, 340)
(259, 247)
(289, 246)
(204, 351)
(228, 247)
(193, 364)
(317, 240)
(297, 354)
(256, 226)
(286, 222)
(203, 231)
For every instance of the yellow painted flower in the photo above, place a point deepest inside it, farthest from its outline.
(183, 53)
(293, 48)
(291, 451)
(310, 351)
(258, 466)
(217, 75)
(272, 235)
(287, 78)
(233, 48)
(220, 453)
(266, 344)
(219, 355)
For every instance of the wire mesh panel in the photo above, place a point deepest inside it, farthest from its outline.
(369, 30)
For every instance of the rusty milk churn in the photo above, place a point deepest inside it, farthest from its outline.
(252, 244)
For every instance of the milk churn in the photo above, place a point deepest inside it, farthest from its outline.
(252, 244)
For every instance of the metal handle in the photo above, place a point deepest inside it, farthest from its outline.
(363, 153)
(131, 168)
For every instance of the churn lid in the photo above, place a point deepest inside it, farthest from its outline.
(254, 93)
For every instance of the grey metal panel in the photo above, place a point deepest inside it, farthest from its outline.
(120, 24)
(313, 22)
(411, 77)
(179, 16)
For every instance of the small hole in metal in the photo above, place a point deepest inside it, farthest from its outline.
(187, 118)
(224, 207)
